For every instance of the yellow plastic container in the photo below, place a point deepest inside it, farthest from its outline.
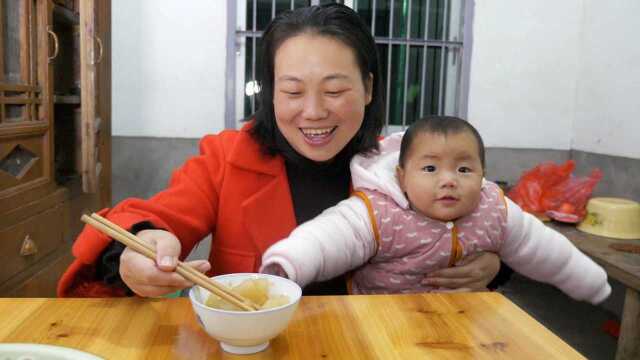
(612, 217)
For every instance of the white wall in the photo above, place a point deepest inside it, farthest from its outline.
(168, 67)
(608, 97)
(523, 72)
(557, 74)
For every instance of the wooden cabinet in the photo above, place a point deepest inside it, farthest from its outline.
(55, 126)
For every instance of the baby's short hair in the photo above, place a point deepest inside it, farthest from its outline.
(439, 125)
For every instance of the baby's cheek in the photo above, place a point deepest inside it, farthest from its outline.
(475, 201)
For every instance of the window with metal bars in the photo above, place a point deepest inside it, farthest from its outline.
(420, 45)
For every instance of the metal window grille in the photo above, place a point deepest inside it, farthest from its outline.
(420, 45)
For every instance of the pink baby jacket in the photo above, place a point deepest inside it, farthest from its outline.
(411, 245)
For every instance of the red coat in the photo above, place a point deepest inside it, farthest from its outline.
(230, 190)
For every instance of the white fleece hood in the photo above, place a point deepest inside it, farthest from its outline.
(377, 171)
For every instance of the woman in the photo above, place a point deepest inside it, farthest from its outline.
(321, 103)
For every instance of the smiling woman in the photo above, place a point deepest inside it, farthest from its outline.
(321, 84)
(321, 103)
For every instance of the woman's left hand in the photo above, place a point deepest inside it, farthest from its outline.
(473, 273)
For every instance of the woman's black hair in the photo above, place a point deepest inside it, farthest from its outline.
(438, 125)
(337, 22)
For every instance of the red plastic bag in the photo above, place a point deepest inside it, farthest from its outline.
(571, 195)
(529, 190)
(551, 189)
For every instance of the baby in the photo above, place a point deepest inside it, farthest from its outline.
(421, 204)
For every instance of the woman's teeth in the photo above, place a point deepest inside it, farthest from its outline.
(317, 132)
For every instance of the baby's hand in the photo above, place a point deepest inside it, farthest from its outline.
(274, 269)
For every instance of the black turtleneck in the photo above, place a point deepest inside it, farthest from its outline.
(315, 187)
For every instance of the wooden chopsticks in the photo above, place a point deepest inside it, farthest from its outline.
(189, 273)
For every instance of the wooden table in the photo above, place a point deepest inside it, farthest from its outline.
(624, 267)
(462, 325)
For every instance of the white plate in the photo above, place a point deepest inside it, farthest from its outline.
(42, 352)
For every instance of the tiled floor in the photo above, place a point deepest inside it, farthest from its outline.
(578, 323)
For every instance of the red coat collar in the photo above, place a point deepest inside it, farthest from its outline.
(264, 226)
(247, 154)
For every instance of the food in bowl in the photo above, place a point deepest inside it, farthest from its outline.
(246, 332)
(256, 290)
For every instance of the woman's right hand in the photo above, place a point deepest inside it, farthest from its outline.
(150, 278)
(473, 273)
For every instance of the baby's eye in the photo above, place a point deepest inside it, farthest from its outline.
(429, 168)
(292, 93)
(465, 169)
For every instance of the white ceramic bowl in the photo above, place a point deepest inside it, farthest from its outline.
(246, 332)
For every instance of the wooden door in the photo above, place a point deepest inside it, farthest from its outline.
(103, 94)
(26, 145)
(91, 54)
(95, 59)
